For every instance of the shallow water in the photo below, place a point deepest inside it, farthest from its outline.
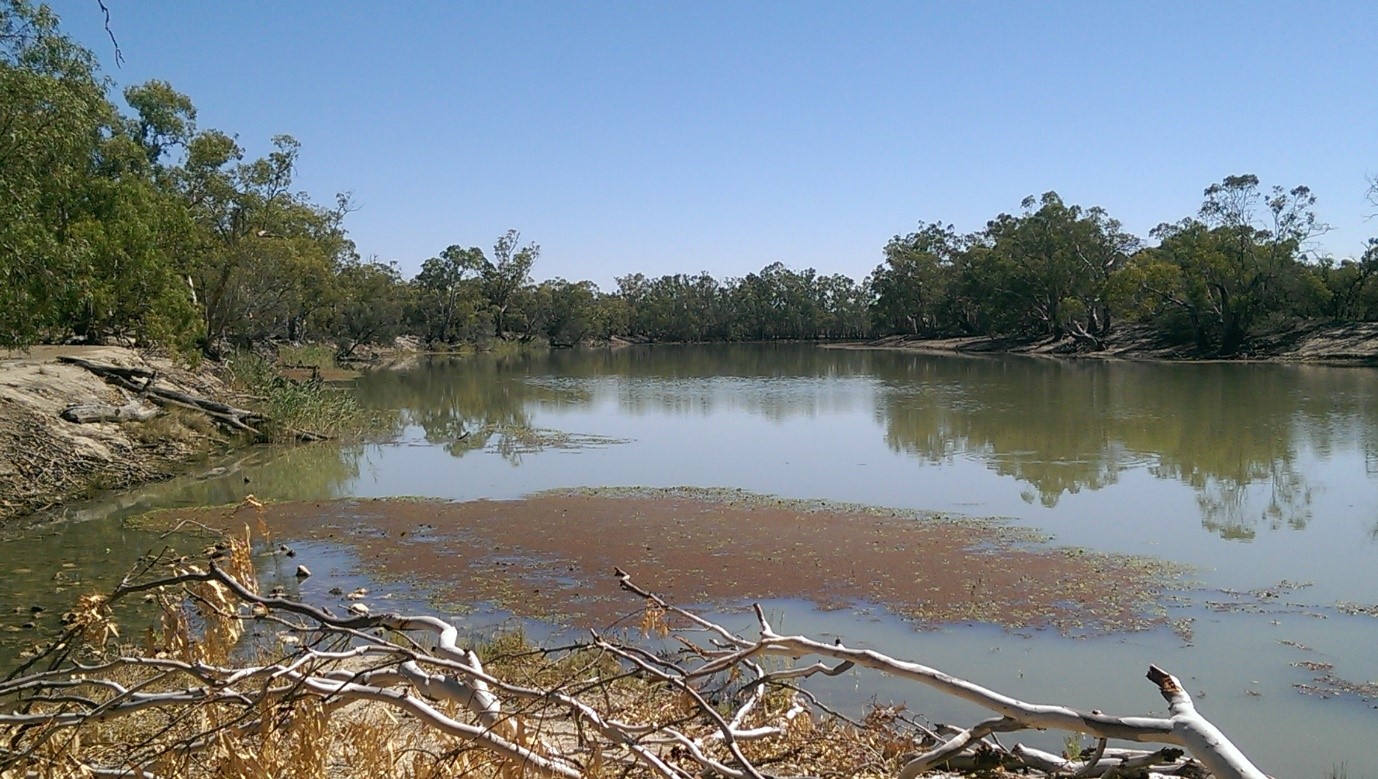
(1255, 474)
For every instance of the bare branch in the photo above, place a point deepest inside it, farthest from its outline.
(188, 704)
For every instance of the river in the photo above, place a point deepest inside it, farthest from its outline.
(1262, 477)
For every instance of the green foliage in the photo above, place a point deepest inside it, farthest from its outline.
(369, 307)
(307, 355)
(1237, 268)
(564, 312)
(131, 285)
(673, 308)
(310, 406)
(1221, 274)
(449, 296)
(141, 226)
(776, 303)
(166, 118)
(506, 274)
(54, 114)
(911, 290)
(1047, 270)
(1351, 286)
(462, 295)
(268, 257)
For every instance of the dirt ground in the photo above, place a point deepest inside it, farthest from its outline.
(1351, 343)
(552, 556)
(46, 460)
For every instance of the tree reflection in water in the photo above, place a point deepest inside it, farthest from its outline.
(465, 404)
(1232, 432)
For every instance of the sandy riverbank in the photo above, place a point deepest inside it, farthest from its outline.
(1351, 344)
(46, 460)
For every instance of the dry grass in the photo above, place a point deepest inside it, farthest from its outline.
(231, 683)
(73, 713)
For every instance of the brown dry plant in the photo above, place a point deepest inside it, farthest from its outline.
(233, 683)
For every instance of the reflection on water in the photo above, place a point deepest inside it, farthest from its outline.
(87, 547)
(466, 405)
(1252, 473)
(315, 471)
(1233, 433)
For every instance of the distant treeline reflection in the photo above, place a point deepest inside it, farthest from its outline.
(1232, 432)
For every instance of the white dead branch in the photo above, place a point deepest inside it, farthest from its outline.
(1185, 727)
(611, 706)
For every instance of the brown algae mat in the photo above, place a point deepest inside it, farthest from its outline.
(551, 556)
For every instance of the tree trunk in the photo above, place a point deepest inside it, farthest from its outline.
(85, 413)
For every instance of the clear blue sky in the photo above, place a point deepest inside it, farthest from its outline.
(667, 137)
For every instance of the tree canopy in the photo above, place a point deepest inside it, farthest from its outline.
(135, 222)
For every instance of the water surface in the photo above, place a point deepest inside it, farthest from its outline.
(1258, 475)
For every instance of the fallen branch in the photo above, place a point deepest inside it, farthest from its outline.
(86, 413)
(142, 381)
(1186, 727)
(188, 704)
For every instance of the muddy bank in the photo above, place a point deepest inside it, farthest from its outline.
(551, 557)
(46, 460)
(1351, 343)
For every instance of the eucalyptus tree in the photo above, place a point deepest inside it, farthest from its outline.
(675, 307)
(165, 119)
(135, 236)
(632, 292)
(505, 274)
(1239, 260)
(1352, 285)
(450, 292)
(911, 290)
(53, 109)
(845, 305)
(88, 242)
(1048, 268)
(767, 305)
(779, 302)
(564, 312)
(266, 255)
(369, 305)
(260, 260)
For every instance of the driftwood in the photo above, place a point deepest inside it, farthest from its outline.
(142, 381)
(86, 413)
(611, 706)
(1186, 727)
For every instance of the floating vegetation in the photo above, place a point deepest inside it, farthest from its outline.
(1296, 645)
(739, 498)
(1266, 600)
(1328, 685)
(1356, 609)
(527, 440)
(548, 555)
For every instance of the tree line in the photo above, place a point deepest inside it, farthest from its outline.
(1244, 262)
(137, 223)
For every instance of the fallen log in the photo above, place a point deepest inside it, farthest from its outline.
(609, 707)
(141, 381)
(86, 413)
(1185, 727)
